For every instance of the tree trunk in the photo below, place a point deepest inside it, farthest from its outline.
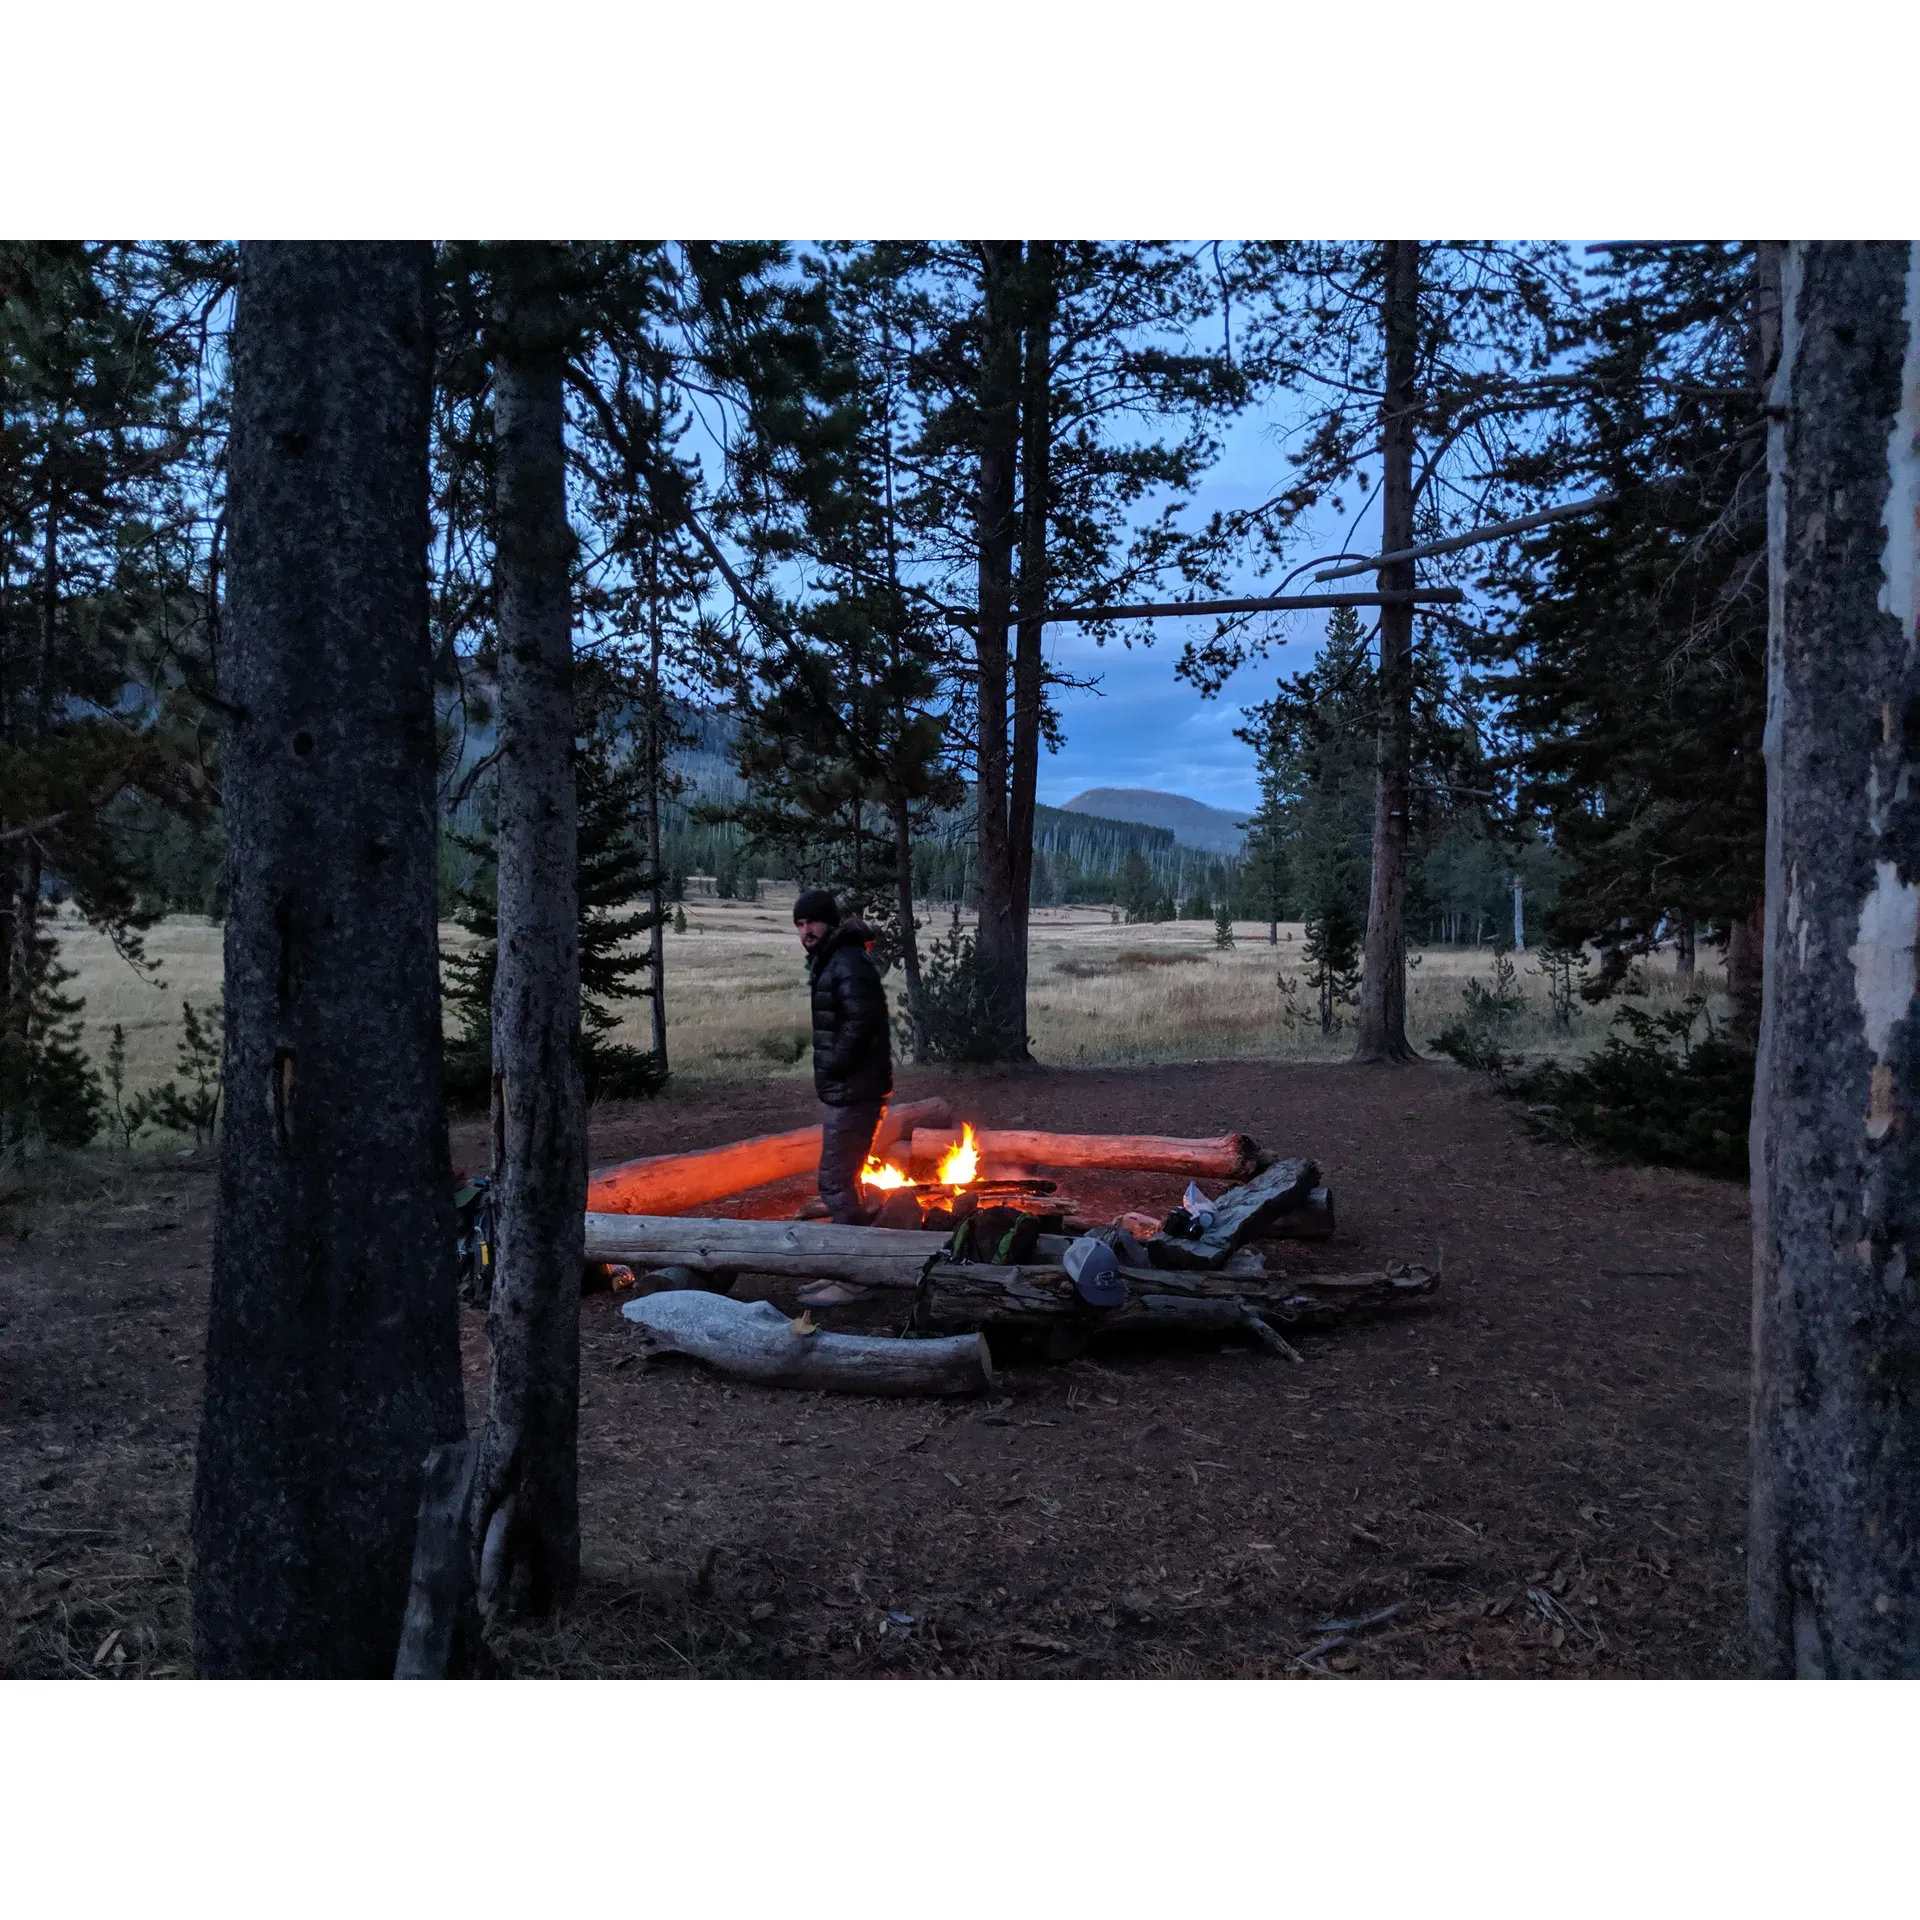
(21, 959)
(996, 944)
(1036, 452)
(1383, 980)
(333, 1360)
(1834, 1538)
(1746, 948)
(909, 931)
(527, 1485)
(656, 772)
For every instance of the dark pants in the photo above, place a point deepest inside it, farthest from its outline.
(846, 1138)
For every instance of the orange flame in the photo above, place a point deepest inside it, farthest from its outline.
(877, 1174)
(960, 1165)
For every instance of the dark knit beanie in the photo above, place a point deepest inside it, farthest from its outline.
(817, 905)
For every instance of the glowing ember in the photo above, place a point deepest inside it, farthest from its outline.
(960, 1166)
(878, 1174)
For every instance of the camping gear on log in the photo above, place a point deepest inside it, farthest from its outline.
(1231, 1157)
(756, 1341)
(1095, 1273)
(1238, 1214)
(674, 1182)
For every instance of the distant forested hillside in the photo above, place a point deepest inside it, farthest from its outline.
(1192, 822)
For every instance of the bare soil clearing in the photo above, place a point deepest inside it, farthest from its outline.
(1541, 1474)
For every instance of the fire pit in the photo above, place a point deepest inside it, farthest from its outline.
(959, 1186)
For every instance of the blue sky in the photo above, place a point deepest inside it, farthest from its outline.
(1143, 727)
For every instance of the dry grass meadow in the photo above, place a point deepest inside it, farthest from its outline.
(737, 1006)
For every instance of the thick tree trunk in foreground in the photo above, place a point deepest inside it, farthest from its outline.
(526, 1497)
(333, 1358)
(1834, 1543)
(1036, 454)
(1383, 979)
(996, 943)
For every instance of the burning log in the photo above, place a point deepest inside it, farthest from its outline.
(676, 1182)
(758, 1342)
(1231, 1157)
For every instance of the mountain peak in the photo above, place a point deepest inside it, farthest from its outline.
(1194, 824)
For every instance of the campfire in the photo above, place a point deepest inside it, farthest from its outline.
(987, 1247)
(959, 1183)
(959, 1168)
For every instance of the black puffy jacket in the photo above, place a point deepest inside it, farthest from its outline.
(852, 1058)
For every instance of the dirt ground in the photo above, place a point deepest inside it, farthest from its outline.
(1542, 1473)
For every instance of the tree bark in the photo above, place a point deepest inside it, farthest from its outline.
(333, 1358)
(1383, 980)
(1834, 1536)
(656, 772)
(1036, 454)
(909, 927)
(527, 1482)
(996, 944)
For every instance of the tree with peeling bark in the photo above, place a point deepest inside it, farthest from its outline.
(525, 1517)
(333, 1358)
(1434, 358)
(1833, 1557)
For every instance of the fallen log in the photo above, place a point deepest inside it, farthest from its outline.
(1037, 1299)
(1231, 1157)
(867, 1256)
(757, 1342)
(675, 1182)
(1238, 1214)
(1313, 1219)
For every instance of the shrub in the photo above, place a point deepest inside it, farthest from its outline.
(1478, 1040)
(195, 1107)
(1332, 960)
(963, 1015)
(1654, 1092)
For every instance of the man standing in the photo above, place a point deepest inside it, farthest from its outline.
(852, 1057)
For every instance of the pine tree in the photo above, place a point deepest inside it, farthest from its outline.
(1332, 956)
(1634, 673)
(1434, 359)
(333, 1357)
(108, 585)
(614, 875)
